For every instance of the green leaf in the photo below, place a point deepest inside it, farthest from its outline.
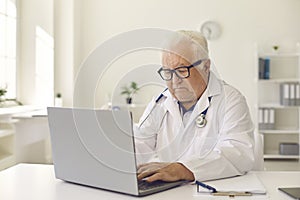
(133, 87)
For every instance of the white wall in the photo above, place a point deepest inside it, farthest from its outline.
(64, 49)
(244, 22)
(81, 25)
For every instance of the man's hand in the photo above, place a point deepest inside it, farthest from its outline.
(164, 171)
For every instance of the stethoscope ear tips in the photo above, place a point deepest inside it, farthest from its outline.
(201, 121)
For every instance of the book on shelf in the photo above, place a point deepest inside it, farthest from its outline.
(264, 68)
(261, 68)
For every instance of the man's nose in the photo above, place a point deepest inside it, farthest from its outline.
(176, 79)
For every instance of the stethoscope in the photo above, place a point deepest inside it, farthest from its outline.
(155, 104)
(200, 121)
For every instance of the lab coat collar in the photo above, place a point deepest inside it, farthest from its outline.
(213, 88)
(172, 104)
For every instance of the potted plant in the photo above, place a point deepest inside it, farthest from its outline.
(129, 91)
(58, 102)
(2, 94)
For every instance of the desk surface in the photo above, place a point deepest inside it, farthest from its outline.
(35, 182)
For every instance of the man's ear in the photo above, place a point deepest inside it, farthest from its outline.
(207, 66)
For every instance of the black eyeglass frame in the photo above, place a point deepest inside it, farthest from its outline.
(172, 71)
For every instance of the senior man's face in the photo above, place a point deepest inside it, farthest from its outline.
(189, 89)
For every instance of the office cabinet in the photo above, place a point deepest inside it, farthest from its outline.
(7, 142)
(277, 79)
(10, 148)
(32, 139)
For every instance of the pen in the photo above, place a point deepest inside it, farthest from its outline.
(205, 186)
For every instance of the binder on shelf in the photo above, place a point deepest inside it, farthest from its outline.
(261, 124)
(297, 94)
(284, 94)
(290, 94)
(266, 118)
(292, 100)
(271, 124)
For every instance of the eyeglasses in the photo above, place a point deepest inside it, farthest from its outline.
(181, 72)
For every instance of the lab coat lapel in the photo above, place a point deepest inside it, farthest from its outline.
(172, 107)
(213, 88)
(186, 133)
(172, 153)
(201, 105)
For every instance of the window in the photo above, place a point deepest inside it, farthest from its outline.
(8, 29)
(44, 71)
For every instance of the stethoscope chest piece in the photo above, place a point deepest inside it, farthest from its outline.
(201, 121)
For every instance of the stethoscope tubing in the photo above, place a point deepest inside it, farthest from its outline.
(200, 121)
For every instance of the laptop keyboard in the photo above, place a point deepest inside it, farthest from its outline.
(144, 185)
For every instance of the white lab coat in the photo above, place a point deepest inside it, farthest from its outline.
(223, 148)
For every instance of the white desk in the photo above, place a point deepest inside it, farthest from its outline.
(36, 182)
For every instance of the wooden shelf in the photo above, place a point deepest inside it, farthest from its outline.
(281, 157)
(279, 55)
(285, 131)
(277, 106)
(278, 80)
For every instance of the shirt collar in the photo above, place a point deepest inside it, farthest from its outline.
(183, 110)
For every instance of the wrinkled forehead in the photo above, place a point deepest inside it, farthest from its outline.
(172, 59)
(179, 48)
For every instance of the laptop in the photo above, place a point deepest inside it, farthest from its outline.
(293, 192)
(96, 148)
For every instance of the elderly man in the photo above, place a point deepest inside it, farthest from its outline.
(199, 128)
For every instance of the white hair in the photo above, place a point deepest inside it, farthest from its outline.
(190, 45)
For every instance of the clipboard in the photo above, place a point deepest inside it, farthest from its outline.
(245, 185)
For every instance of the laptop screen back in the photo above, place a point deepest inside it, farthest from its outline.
(94, 147)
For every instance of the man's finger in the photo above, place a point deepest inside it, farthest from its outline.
(142, 165)
(156, 177)
(145, 174)
(146, 168)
